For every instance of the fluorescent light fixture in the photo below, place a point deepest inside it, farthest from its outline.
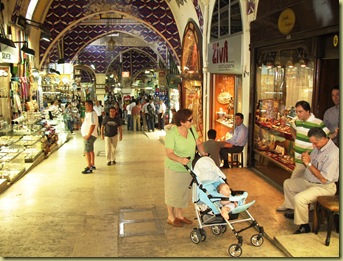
(7, 42)
(92, 66)
(21, 21)
(46, 36)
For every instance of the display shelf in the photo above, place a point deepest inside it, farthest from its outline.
(276, 130)
(276, 160)
(225, 123)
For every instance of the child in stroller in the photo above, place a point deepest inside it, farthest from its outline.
(227, 205)
(209, 210)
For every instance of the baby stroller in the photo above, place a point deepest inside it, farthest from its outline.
(206, 177)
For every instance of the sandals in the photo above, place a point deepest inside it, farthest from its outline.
(175, 223)
(184, 220)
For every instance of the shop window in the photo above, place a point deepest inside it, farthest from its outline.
(283, 77)
(224, 104)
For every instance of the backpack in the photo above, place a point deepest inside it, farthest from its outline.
(150, 110)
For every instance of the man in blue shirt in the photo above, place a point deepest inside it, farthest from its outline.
(237, 141)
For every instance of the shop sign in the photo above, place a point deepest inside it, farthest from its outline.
(8, 55)
(224, 56)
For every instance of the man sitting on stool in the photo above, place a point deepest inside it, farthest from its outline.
(237, 141)
(318, 180)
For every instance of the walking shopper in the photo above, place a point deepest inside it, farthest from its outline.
(136, 114)
(151, 116)
(111, 126)
(179, 144)
(89, 133)
(69, 117)
(99, 109)
(161, 111)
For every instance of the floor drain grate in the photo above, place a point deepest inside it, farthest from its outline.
(101, 153)
(139, 222)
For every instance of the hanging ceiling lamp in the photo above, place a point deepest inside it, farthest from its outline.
(111, 44)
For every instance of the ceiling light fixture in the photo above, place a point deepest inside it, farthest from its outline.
(21, 21)
(6, 41)
(46, 36)
(111, 44)
(28, 50)
(290, 61)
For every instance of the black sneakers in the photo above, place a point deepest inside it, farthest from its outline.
(304, 228)
(87, 171)
(114, 162)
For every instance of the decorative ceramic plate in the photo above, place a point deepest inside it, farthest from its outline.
(224, 98)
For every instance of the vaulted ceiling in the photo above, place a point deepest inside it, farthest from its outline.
(146, 32)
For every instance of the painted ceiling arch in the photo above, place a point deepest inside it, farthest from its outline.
(78, 23)
(144, 51)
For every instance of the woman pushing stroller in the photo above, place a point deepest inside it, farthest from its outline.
(180, 142)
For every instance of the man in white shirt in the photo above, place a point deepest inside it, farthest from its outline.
(237, 142)
(129, 114)
(161, 112)
(89, 134)
(99, 111)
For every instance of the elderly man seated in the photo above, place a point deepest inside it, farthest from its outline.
(237, 142)
(319, 179)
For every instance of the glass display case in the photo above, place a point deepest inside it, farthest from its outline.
(224, 99)
(282, 78)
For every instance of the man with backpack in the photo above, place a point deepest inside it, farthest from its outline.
(151, 116)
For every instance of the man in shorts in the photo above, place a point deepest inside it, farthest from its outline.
(89, 134)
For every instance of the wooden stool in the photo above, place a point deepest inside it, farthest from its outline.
(236, 159)
(329, 205)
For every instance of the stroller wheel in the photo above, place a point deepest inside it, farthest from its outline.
(216, 230)
(223, 229)
(196, 236)
(203, 234)
(235, 250)
(257, 240)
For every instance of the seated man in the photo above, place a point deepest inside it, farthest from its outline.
(237, 142)
(318, 180)
(212, 147)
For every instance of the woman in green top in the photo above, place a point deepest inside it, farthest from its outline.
(179, 144)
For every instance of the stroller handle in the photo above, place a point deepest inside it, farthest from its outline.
(194, 177)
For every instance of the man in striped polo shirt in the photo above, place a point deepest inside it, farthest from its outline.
(300, 126)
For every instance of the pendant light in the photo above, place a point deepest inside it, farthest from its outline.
(111, 44)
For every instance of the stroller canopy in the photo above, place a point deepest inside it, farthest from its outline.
(206, 169)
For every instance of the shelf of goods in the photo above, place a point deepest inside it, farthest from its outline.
(26, 146)
(276, 145)
(226, 122)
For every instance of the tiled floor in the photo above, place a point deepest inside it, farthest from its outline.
(119, 211)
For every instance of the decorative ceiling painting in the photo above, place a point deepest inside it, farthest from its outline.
(83, 25)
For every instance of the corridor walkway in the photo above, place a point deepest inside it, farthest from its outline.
(119, 210)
